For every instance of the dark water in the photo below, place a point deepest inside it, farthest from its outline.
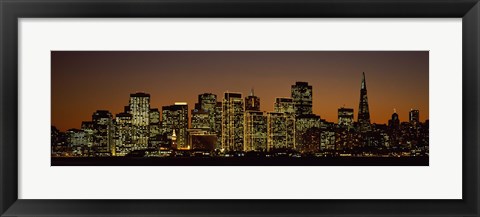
(240, 161)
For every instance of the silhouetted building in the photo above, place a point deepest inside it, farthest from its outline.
(232, 122)
(302, 98)
(414, 117)
(175, 118)
(201, 140)
(363, 111)
(345, 117)
(252, 102)
(394, 122)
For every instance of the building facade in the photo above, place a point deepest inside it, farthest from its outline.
(302, 96)
(139, 108)
(255, 131)
(232, 122)
(363, 111)
(175, 118)
(345, 117)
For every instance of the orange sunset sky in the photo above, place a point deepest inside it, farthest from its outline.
(86, 81)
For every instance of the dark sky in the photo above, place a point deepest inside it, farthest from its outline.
(85, 81)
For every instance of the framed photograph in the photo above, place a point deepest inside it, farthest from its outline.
(177, 108)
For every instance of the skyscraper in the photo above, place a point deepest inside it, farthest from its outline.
(103, 133)
(123, 134)
(255, 131)
(302, 98)
(394, 123)
(154, 128)
(281, 124)
(203, 115)
(217, 128)
(414, 117)
(345, 117)
(175, 122)
(363, 112)
(305, 125)
(232, 122)
(252, 102)
(139, 108)
(284, 105)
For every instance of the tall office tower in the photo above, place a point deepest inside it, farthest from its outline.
(232, 122)
(123, 134)
(303, 126)
(252, 102)
(255, 137)
(345, 117)
(363, 112)
(154, 128)
(206, 101)
(281, 124)
(103, 133)
(284, 105)
(76, 140)
(414, 117)
(175, 118)
(203, 115)
(87, 127)
(217, 128)
(280, 131)
(394, 123)
(200, 119)
(302, 98)
(139, 108)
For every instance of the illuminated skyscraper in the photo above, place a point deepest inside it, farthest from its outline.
(123, 134)
(284, 105)
(414, 117)
(175, 118)
(200, 119)
(302, 98)
(281, 125)
(255, 131)
(255, 137)
(345, 117)
(203, 115)
(139, 108)
(77, 141)
(217, 128)
(154, 128)
(252, 102)
(103, 133)
(363, 112)
(232, 122)
(304, 125)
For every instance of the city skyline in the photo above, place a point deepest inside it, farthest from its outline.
(66, 94)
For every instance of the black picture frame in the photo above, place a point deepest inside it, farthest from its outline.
(12, 10)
